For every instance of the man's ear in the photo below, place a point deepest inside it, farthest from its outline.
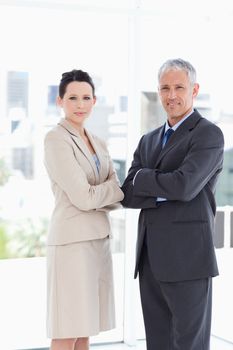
(195, 89)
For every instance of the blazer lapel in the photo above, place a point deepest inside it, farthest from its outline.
(155, 147)
(98, 154)
(78, 141)
(178, 135)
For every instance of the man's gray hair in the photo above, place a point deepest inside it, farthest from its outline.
(179, 64)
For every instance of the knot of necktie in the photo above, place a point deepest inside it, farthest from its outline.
(167, 135)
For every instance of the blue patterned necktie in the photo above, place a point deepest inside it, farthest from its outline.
(166, 136)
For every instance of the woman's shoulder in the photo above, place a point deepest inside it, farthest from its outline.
(57, 132)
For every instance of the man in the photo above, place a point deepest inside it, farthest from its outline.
(172, 179)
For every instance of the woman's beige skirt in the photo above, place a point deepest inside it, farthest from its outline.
(80, 296)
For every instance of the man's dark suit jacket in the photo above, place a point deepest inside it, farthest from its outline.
(178, 231)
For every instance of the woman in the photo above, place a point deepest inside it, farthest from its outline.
(85, 187)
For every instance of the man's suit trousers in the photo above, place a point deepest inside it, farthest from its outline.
(177, 315)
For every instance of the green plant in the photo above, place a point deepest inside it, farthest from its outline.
(28, 238)
(4, 172)
(4, 240)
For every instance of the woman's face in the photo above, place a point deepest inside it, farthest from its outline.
(77, 102)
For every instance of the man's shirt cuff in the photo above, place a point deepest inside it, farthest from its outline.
(135, 176)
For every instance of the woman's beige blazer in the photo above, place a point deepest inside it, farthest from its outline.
(83, 196)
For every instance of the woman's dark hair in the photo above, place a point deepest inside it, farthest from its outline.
(74, 75)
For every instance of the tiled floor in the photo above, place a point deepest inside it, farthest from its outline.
(216, 344)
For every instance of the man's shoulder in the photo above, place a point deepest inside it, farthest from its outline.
(198, 121)
(153, 133)
(206, 123)
(208, 130)
(202, 119)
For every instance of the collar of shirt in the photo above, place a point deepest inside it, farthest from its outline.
(167, 126)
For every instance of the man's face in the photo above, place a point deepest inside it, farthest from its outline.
(176, 94)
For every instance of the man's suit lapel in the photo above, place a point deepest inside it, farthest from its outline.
(155, 147)
(178, 135)
(81, 144)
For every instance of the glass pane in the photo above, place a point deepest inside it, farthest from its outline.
(213, 100)
(204, 41)
(31, 67)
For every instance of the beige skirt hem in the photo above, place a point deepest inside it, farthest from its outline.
(78, 335)
(80, 291)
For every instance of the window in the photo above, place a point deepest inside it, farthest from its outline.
(121, 44)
